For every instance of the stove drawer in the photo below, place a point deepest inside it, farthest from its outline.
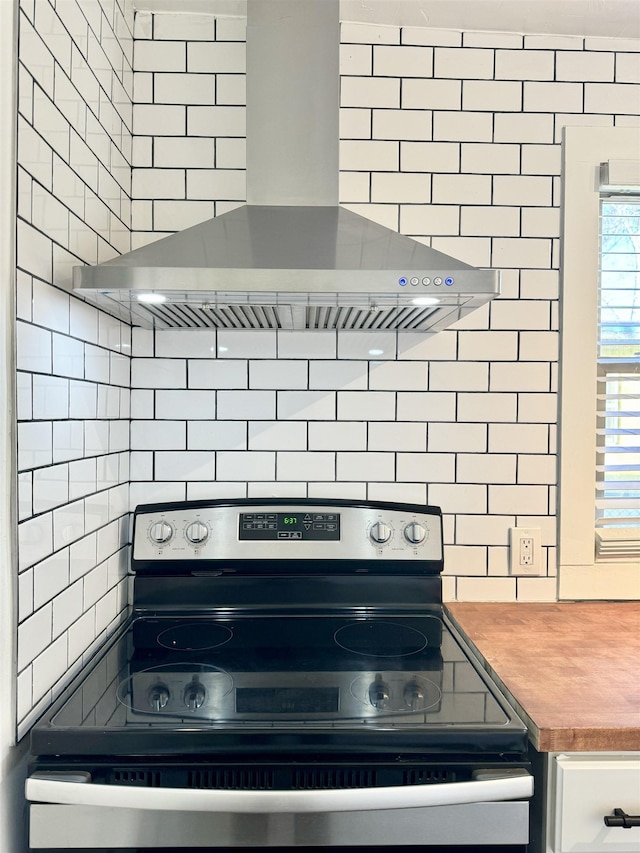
(70, 827)
(76, 813)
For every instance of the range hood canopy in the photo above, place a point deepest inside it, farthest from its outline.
(291, 258)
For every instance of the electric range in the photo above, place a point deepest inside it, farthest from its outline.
(287, 677)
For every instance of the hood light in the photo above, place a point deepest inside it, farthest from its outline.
(151, 297)
(425, 300)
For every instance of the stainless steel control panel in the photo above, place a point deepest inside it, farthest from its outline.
(296, 531)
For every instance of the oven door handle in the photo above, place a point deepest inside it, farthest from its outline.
(52, 788)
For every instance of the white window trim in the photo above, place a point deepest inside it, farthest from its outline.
(579, 575)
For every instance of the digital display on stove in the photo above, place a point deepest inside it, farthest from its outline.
(293, 526)
(287, 700)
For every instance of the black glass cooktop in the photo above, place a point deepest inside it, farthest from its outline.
(227, 683)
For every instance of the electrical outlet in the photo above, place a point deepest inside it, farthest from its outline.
(525, 552)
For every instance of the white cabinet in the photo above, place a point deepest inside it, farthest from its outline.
(583, 788)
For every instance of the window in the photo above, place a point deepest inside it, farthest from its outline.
(599, 476)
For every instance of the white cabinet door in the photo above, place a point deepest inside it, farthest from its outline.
(587, 789)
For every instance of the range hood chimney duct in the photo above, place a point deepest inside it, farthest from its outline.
(291, 258)
(293, 70)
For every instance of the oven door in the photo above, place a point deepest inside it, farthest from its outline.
(68, 811)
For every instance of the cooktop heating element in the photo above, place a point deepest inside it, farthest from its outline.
(271, 642)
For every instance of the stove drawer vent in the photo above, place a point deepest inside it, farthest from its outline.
(426, 776)
(140, 778)
(332, 779)
(231, 779)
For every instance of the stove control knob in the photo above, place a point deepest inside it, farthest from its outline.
(379, 693)
(415, 533)
(194, 695)
(159, 696)
(161, 532)
(413, 695)
(197, 533)
(380, 532)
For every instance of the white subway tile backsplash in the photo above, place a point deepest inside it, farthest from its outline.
(368, 406)
(33, 348)
(50, 577)
(358, 466)
(35, 540)
(246, 405)
(377, 344)
(537, 408)
(191, 405)
(51, 397)
(306, 466)
(229, 184)
(523, 500)
(426, 467)
(369, 155)
(405, 437)
(343, 435)
(180, 88)
(158, 373)
(426, 406)
(465, 417)
(159, 119)
(437, 347)
(627, 67)
(370, 92)
(486, 467)
(231, 89)
(344, 375)
(456, 438)
(430, 157)
(402, 124)
(216, 121)
(277, 435)
(184, 465)
(310, 345)
(225, 373)
(159, 56)
(606, 98)
(486, 589)
(483, 408)
(523, 314)
(278, 374)
(525, 64)
(461, 189)
(34, 635)
(431, 94)
(398, 376)
(306, 405)
(468, 63)
(82, 478)
(34, 444)
(458, 497)
(518, 438)
(158, 435)
(423, 219)
(51, 487)
(244, 466)
(466, 126)
(492, 95)
(253, 344)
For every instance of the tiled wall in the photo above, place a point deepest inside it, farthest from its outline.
(73, 362)
(452, 138)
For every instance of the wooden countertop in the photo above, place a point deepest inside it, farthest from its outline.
(572, 669)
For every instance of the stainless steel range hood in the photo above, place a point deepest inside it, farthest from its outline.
(290, 258)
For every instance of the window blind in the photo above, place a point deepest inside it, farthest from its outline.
(617, 499)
